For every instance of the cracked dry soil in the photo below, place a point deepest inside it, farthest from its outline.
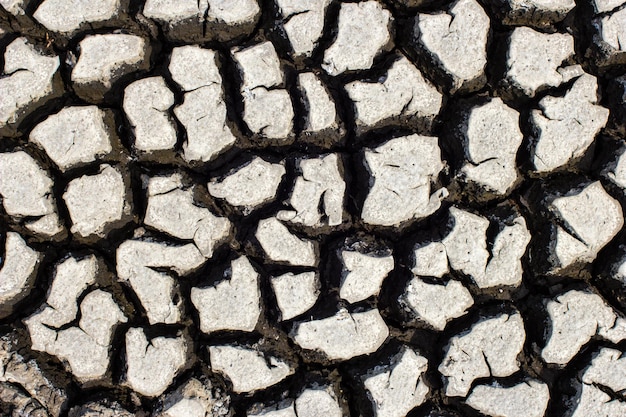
(289, 208)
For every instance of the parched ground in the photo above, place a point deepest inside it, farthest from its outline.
(291, 208)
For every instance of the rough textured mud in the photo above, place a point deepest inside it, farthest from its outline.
(288, 208)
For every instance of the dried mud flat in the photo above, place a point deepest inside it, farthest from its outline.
(291, 208)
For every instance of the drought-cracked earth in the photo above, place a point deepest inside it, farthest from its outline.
(290, 208)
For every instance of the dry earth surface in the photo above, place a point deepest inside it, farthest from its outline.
(288, 208)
